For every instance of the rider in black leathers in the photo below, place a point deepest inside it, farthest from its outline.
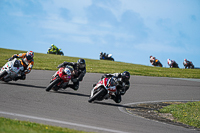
(80, 70)
(123, 84)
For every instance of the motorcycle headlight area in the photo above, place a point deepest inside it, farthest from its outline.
(67, 71)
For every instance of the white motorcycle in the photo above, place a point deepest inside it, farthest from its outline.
(104, 89)
(11, 70)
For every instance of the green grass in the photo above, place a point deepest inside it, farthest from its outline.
(187, 113)
(16, 126)
(50, 62)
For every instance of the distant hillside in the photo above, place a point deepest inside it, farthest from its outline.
(50, 62)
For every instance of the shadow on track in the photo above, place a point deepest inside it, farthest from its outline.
(25, 85)
(71, 93)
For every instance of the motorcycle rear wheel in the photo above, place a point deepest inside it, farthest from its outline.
(49, 87)
(3, 74)
(96, 95)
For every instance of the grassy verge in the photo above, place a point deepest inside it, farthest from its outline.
(50, 62)
(187, 113)
(16, 126)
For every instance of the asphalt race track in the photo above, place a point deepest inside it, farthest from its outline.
(28, 100)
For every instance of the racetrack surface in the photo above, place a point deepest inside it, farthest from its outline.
(28, 100)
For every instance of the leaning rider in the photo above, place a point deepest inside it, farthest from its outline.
(152, 59)
(80, 70)
(26, 61)
(123, 84)
(53, 49)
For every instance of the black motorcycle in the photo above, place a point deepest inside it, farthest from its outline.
(175, 65)
(188, 65)
(106, 57)
(156, 62)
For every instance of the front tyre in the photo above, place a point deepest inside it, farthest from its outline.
(96, 95)
(56, 81)
(3, 74)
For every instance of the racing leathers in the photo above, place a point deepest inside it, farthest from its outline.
(79, 74)
(26, 62)
(152, 60)
(188, 64)
(53, 49)
(122, 86)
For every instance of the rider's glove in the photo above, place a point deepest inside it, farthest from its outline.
(10, 59)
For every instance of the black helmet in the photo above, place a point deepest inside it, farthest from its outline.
(16, 63)
(81, 63)
(125, 76)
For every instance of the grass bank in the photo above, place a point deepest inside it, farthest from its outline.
(16, 126)
(187, 113)
(50, 62)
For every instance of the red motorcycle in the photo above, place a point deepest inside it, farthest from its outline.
(104, 89)
(61, 78)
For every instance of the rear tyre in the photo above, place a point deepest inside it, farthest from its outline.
(3, 74)
(56, 81)
(95, 96)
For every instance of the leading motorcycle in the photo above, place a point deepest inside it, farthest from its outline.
(61, 78)
(104, 89)
(58, 52)
(11, 70)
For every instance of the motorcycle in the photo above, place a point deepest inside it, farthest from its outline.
(188, 65)
(61, 78)
(104, 89)
(58, 52)
(156, 62)
(106, 57)
(11, 70)
(175, 65)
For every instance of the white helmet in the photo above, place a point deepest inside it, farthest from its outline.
(68, 70)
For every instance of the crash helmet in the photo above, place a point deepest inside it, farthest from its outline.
(81, 63)
(150, 56)
(68, 70)
(52, 45)
(185, 59)
(29, 55)
(125, 76)
(16, 64)
(168, 60)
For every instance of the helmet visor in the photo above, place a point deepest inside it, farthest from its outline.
(29, 57)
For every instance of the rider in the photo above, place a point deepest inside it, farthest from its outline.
(27, 62)
(187, 63)
(152, 59)
(53, 49)
(171, 63)
(123, 84)
(80, 70)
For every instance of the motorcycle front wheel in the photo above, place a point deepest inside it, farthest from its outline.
(56, 81)
(96, 95)
(3, 74)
